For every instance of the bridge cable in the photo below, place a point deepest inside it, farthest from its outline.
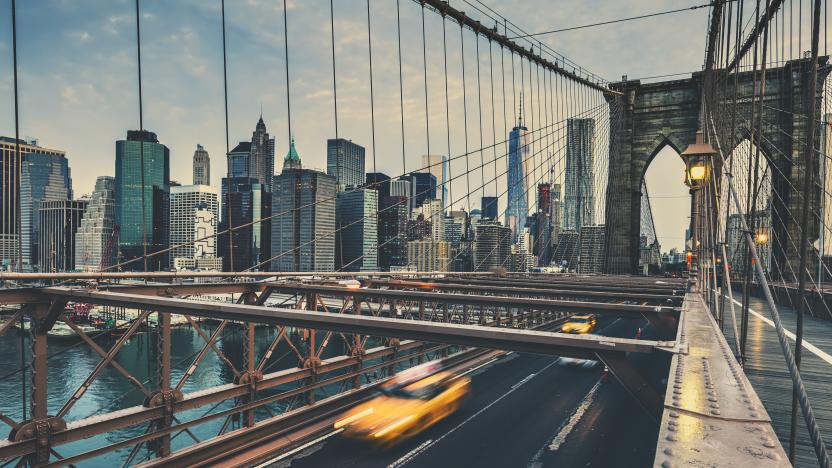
(401, 81)
(465, 117)
(227, 138)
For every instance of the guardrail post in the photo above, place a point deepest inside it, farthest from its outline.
(357, 347)
(165, 396)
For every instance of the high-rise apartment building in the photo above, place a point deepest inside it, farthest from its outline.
(428, 255)
(194, 212)
(403, 188)
(146, 230)
(247, 207)
(379, 182)
(356, 230)
(43, 177)
(202, 166)
(579, 199)
(437, 165)
(392, 232)
(303, 229)
(566, 249)
(423, 185)
(59, 222)
(95, 247)
(591, 256)
(11, 161)
(493, 246)
(345, 162)
(518, 185)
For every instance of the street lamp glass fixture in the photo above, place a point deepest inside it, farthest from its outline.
(761, 237)
(697, 158)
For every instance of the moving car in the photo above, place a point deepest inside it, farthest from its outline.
(406, 405)
(580, 324)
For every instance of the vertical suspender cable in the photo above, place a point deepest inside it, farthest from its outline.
(227, 141)
(19, 251)
(334, 80)
(286, 56)
(141, 128)
(447, 111)
(493, 120)
(427, 115)
(808, 173)
(401, 81)
(465, 119)
(479, 114)
(372, 97)
(14, 186)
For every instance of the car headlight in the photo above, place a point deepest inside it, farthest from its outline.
(352, 418)
(391, 427)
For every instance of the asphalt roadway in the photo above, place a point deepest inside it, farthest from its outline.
(525, 411)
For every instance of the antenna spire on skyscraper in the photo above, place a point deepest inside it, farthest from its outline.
(520, 115)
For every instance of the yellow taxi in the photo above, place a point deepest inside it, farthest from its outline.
(407, 404)
(579, 324)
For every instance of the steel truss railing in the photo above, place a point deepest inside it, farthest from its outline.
(415, 324)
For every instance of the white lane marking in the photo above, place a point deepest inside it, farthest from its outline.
(566, 428)
(298, 449)
(574, 419)
(809, 346)
(530, 376)
(406, 458)
(411, 455)
(478, 367)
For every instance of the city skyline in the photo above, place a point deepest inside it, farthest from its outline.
(183, 103)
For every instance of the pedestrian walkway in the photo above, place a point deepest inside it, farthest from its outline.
(767, 371)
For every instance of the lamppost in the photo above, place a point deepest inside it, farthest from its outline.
(697, 158)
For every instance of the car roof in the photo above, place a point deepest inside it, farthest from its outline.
(583, 316)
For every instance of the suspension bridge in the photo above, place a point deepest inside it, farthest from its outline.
(256, 365)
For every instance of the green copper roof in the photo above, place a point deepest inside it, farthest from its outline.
(292, 155)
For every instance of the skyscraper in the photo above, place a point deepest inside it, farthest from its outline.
(94, 242)
(59, 221)
(302, 230)
(591, 255)
(247, 207)
(202, 166)
(493, 246)
(345, 162)
(194, 211)
(428, 255)
(43, 177)
(10, 190)
(403, 188)
(579, 200)
(150, 227)
(238, 160)
(518, 186)
(261, 159)
(380, 182)
(356, 230)
(392, 231)
(423, 185)
(437, 165)
(489, 208)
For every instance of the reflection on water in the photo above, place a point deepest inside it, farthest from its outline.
(70, 363)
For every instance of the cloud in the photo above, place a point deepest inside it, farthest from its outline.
(70, 95)
(80, 36)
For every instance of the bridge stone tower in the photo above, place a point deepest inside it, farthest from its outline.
(648, 117)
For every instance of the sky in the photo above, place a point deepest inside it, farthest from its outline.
(78, 76)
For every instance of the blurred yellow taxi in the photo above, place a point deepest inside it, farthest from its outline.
(406, 405)
(579, 324)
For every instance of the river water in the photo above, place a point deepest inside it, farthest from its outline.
(71, 361)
